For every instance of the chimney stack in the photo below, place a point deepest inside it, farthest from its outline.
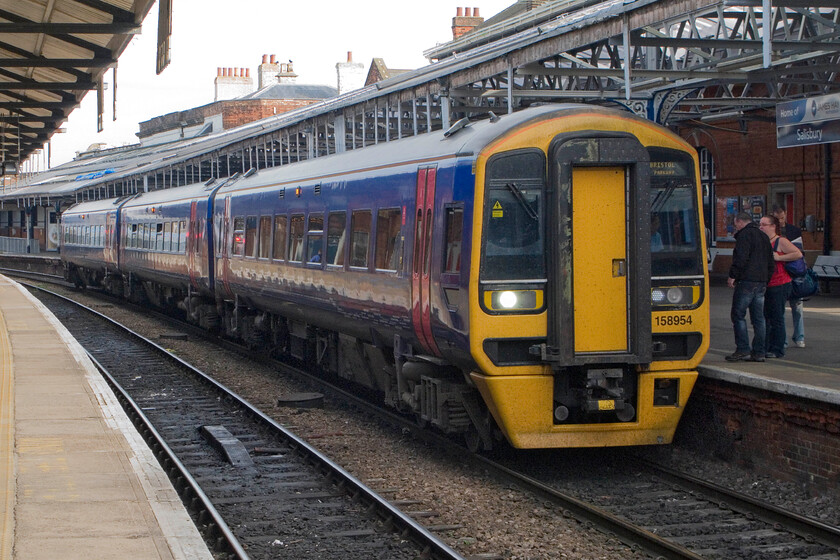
(465, 20)
(231, 83)
(351, 75)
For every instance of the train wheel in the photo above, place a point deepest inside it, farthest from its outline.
(473, 441)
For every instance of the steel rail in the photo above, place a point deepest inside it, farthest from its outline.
(434, 547)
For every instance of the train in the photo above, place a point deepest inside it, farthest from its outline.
(537, 278)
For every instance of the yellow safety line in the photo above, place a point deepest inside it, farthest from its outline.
(7, 442)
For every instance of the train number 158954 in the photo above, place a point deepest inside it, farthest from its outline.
(672, 320)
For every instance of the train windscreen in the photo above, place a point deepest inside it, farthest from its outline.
(675, 231)
(514, 244)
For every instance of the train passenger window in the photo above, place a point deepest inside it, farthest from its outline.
(182, 244)
(296, 238)
(454, 231)
(335, 238)
(388, 240)
(147, 236)
(280, 223)
(159, 236)
(360, 223)
(265, 237)
(167, 236)
(87, 235)
(315, 239)
(238, 237)
(251, 236)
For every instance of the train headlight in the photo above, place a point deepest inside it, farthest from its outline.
(675, 295)
(513, 300)
(664, 297)
(507, 300)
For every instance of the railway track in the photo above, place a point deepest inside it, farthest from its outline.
(656, 511)
(256, 489)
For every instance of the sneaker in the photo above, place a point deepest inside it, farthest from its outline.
(737, 357)
(772, 355)
(799, 343)
(756, 358)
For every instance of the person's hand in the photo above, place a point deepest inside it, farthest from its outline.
(731, 282)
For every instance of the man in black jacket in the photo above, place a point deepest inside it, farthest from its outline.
(752, 266)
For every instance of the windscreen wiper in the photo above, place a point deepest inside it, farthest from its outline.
(517, 194)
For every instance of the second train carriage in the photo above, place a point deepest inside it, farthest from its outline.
(539, 276)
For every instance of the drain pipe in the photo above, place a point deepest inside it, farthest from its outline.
(827, 167)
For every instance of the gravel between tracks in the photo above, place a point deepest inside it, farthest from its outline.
(495, 520)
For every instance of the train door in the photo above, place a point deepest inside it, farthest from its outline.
(422, 259)
(599, 276)
(225, 249)
(193, 245)
(599, 251)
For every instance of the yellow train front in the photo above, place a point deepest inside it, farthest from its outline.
(589, 308)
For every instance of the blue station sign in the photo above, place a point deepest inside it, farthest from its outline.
(803, 122)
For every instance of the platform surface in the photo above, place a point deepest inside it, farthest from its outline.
(812, 372)
(76, 479)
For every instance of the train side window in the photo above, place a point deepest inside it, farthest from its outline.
(388, 241)
(280, 223)
(335, 238)
(251, 236)
(360, 223)
(147, 236)
(454, 233)
(238, 236)
(296, 238)
(315, 239)
(159, 236)
(132, 242)
(265, 237)
(182, 247)
(167, 236)
(87, 236)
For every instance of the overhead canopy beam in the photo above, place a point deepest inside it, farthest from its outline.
(40, 62)
(48, 28)
(50, 86)
(117, 13)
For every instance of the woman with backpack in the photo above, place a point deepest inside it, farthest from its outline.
(779, 287)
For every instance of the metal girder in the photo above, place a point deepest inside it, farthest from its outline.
(717, 50)
(41, 62)
(118, 28)
(48, 86)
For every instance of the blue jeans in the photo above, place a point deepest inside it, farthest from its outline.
(775, 301)
(749, 295)
(798, 319)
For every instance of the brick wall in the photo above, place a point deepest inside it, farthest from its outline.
(782, 437)
(747, 162)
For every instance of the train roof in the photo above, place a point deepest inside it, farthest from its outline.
(187, 192)
(94, 206)
(466, 141)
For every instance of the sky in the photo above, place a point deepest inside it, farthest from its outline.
(207, 34)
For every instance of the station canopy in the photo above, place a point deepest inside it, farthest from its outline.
(52, 53)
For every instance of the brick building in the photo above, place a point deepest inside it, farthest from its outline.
(237, 102)
(742, 169)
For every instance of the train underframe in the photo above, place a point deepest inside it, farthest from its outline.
(434, 392)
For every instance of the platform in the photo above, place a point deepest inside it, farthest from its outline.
(76, 480)
(812, 372)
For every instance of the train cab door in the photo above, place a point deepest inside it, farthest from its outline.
(599, 252)
(422, 259)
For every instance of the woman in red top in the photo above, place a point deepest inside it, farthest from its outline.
(778, 289)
